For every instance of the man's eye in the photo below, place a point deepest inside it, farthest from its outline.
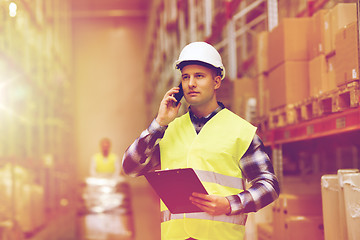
(185, 77)
(199, 76)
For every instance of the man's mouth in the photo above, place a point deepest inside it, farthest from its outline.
(193, 93)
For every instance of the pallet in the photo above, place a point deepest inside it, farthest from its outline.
(344, 97)
(262, 123)
(281, 116)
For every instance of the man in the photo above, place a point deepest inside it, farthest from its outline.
(220, 146)
(105, 163)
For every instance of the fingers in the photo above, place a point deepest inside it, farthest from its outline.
(169, 95)
(204, 205)
(212, 204)
(172, 91)
(168, 110)
(201, 195)
(199, 198)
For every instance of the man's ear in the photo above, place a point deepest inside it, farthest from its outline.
(217, 82)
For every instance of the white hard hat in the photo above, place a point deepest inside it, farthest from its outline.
(201, 52)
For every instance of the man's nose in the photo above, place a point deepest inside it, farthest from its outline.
(192, 81)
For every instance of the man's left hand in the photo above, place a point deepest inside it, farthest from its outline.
(212, 204)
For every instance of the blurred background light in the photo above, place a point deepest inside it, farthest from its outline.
(12, 9)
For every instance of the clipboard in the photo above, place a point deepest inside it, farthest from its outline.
(175, 186)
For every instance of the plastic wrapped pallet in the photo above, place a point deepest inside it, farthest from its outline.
(330, 204)
(352, 204)
(342, 210)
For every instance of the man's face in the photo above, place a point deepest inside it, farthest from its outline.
(105, 146)
(199, 84)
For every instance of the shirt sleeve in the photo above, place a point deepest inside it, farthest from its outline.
(144, 153)
(264, 186)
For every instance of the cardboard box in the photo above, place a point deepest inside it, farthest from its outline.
(304, 227)
(244, 95)
(352, 204)
(263, 99)
(278, 222)
(328, 46)
(262, 39)
(265, 231)
(347, 56)
(318, 77)
(288, 206)
(331, 72)
(289, 41)
(317, 34)
(340, 16)
(301, 204)
(288, 83)
(330, 205)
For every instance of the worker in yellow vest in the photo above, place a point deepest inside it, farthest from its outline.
(105, 163)
(222, 148)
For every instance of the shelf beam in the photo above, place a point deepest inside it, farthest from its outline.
(336, 123)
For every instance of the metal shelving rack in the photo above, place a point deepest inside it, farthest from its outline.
(333, 129)
(35, 102)
(333, 124)
(229, 25)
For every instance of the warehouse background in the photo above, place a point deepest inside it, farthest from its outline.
(73, 72)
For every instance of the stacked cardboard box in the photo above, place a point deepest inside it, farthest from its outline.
(244, 98)
(298, 216)
(317, 37)
(265, 231)
(323, 42)
(261, 55)
(318, 77)
(326, 55)
(261, 52)
(347, 57)
(288, 83)
(319, 43)
(340, 16)
(263, 97)
(287, 57)
(288, 42)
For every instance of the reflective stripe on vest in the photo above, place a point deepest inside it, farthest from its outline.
(227, 181)
(239, 219)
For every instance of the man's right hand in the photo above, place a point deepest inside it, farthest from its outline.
(167, 110)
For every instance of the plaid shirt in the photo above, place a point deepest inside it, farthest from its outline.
(144, 155)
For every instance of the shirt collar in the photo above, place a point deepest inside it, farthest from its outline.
(203, 120)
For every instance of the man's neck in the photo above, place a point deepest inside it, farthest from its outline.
(201, 111)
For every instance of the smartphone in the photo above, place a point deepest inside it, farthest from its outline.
(179, 95)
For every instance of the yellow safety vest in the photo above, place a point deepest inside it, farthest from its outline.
(105, 166)
(214, 154)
